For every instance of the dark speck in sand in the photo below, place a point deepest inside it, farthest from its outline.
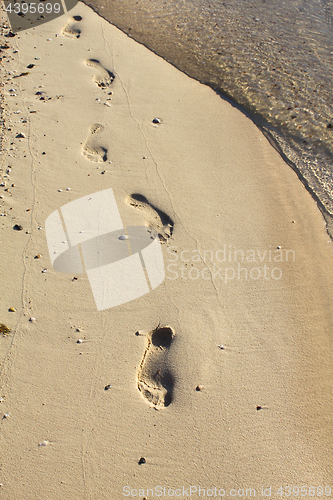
(30, 66)
(107, 387)
(142, 461)
(329, 125)
(156, 120)
(259, 408)
(17, 227)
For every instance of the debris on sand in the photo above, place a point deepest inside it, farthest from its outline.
(4, 330)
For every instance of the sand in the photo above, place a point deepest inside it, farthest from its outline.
(248, 348)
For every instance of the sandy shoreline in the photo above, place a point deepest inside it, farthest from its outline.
(210, 170)
(251, 52)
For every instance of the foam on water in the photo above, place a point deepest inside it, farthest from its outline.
(273, 58)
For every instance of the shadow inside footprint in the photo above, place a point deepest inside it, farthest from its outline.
(155, 381)
(162, 337)
(70, 29)
(90, 148)
(156, 218)
(102, 77)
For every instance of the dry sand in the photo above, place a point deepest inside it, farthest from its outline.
(224, 188)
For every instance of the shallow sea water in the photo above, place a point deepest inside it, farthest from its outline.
(274, 58)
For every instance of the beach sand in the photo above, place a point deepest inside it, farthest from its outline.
(250, 354)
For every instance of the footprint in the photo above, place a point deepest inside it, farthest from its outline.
(155, 381)
(156, 218)
(103, 78)
(70, 29)
(90, 148)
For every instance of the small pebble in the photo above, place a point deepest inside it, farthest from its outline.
(156, 120)
(259, 408)
(44, 270)
(32, 320)
(107, 387)
(279, 248)
(198, 388)
(79, 341)
(20, 136)
(68, 189)
(142, 461)
(44, 443)
(12, 309)
(221, 346)
(59, 190)
(38, 256)
(123, 237)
